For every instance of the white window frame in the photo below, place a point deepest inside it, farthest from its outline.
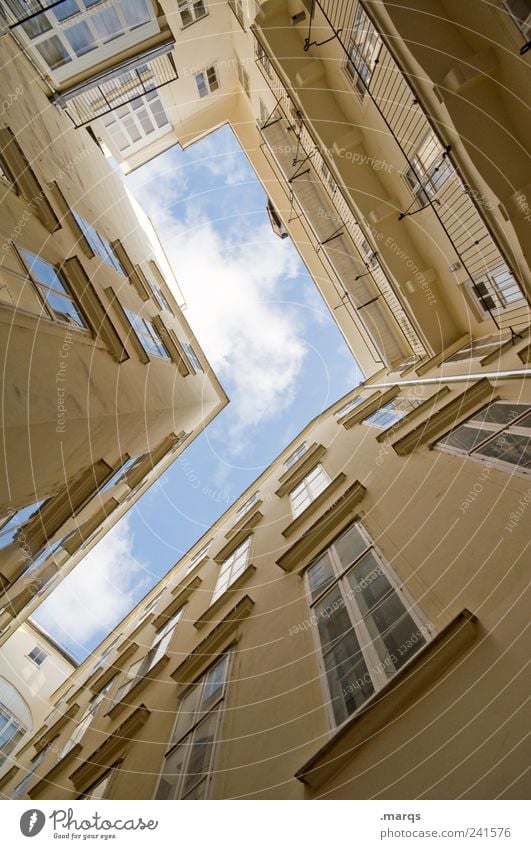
(247, 504)
(363, 50)
(195, 558)
(45, 294)
(398, 409)
(375, 666)
(430, 169)
(38, 655)
(86, 720)
(147, 335)
(311, 486)
(105, 47)
(207, 81)
(127, 124)
(295, 455)
(191, 355)
(189, 7)
(197, 718)
(493, 431)
(231, 568)
(350, 405)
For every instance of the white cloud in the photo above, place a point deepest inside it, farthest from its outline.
(97, 593)
(233, 286)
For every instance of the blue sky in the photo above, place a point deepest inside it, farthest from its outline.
(273, 344)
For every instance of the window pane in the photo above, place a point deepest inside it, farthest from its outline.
(349, 546)
(348, 677)
(333, 619)
(53, 52)
(187, 711)
(199, 791)
(368, 582)
(173, 769)
(320, 574)
(215, 679)
(80, 38)
(395, 635)
(107, 24)
(66, 9)
(465, 438)
(501, 413)
(63, 308)
(135, 13)
(200, 752)
(509, 447)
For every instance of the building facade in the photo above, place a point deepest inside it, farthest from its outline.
(350, 628)
(32, 667)
(104, 382)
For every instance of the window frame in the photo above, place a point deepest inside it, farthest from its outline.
(304, 485)
(198, 718)
(147, 335)
(189, 5)
(299, 452)
(390, 407)
(363, 53)
(492, 431)
(209, 85)
(355, 615)
(38, 652)
(423, 175)
(26, 258)
(232, 559)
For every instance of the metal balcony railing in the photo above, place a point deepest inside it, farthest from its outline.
(340, 237)
(459, 210)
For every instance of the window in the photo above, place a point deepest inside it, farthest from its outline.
(478, 348)
(497, 288)
(500, 432)
(84, 723)
(308, 490)
(58, 301)
(520, 12)
(189, 760)
(150, 606)
(98, 244)
(38, 655)
(363, 50)
(392, 412)
(5, 172)
(206, 81)
(232, 568)
(246, 506)
(191, 10)
(327, 176)
(140, 668)
(63, 35)
(198, 556)
(22, 786)
(263, 59)
(99, 789)
(296, 455)
(119, 473)
(15, 719)
(102, 660)
(10, 523)
(192, 356)
(144, 118)
(243, 77)
(156, 291)
(147, 335)
(366, 626)
(430, 169)
(355, 402)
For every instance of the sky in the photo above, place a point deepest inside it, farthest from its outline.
(270, 339)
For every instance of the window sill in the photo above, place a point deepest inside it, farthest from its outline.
(398, 696)
(331, 521)
(207, 618)
(315, 505)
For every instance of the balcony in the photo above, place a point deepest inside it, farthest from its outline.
(339, 237)
(458, 208)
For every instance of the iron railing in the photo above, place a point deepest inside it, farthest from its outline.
(342, 223)
(458, 209)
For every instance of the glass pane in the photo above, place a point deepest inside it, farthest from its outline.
(215, 679)
(53, 52)
(62, 307)
(200, 752)
(349, 546)
(107, 24)
(42, 272)
(173, 769)
(368, 582)
(80, 38)
(36, 26)
(501, 413)
(199, 792)
(135, 13)
(187, 711)
(348, 677)
(65, 10)
(465, 438)
(511, 448)
(395, 635)
(333, 619)
(320, 574)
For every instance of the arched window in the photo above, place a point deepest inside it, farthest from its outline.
(15, 718)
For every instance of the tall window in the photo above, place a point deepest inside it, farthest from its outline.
(119, 473)
(147, 335)
(246, 506)
(296, 455)
(151, 605)
(500, 432)
(232, 568)
(367, 627)
(142, 667)
(496, 288)
(195, 558)
(58, 300)
(98, 243)
(86, 720)
(430, 168)
(99, 789)
(189, 760)
(363, 50)
(144, 118)
(390, 413)
(195, 362)
(351, 405)
(207, 81)
(156, 290)
(476, 349)
(22, 786)
(14, 520)
(191, 10)
(79, 33)
(15, 719)
(308, 489)
(104, 656)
